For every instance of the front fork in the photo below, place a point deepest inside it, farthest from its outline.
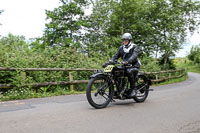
(101, 90)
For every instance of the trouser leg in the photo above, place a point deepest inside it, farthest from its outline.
(131, 81)
(132, 73)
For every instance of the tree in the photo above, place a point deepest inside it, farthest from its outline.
(156, 25)
(66, 23)
(94, 41)
(14, 42)
(173, 20)
(112, 18)
(194, 54)
(197, 59)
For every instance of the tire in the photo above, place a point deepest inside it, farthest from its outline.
(99, 89)
(142, 94)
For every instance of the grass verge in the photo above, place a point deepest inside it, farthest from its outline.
(187, 64)
(171, 81)
(38, 95)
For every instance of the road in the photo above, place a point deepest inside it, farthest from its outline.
(173, 108)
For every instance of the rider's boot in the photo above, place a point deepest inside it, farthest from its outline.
(132, 73)
(133, 93)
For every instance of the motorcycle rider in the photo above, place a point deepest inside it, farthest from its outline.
(129, 54)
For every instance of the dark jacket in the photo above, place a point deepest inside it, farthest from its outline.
(131, 57)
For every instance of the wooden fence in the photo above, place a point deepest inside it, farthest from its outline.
(159, 76)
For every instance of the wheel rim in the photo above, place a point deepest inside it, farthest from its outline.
(100, 92)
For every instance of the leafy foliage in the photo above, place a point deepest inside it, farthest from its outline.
(15, 53)
(66, 23)
(150, 64)
(157, 25)
(194, 54)
(166, 63)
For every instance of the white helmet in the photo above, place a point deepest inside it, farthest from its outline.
(126, 36)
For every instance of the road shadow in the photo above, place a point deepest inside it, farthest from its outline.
(124, 103)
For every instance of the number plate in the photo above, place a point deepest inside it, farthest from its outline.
(109, 68)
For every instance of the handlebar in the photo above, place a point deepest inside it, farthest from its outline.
(114, 63)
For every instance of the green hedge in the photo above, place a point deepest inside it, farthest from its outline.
(16, 53)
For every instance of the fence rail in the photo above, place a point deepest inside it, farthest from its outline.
(45, 69)
(71, 82)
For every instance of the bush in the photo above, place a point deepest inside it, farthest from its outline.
(17, 54)
(150, 64)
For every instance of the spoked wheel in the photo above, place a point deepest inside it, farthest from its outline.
(99, 92)
(142, 89)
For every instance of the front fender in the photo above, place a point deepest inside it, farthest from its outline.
(110, 82)
(96, 74)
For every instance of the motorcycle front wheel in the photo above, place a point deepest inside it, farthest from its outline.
(99, 91)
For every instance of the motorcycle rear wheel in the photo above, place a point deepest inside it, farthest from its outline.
(141, 95)
(99, 91)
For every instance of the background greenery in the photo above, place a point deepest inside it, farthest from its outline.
(73, 39)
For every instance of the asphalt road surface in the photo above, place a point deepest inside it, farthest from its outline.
(171, 108)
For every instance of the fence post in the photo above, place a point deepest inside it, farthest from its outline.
(156, 78)
(179, 72)
(169, 77)
(71, 86)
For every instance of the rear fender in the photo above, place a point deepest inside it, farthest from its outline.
(149, 81)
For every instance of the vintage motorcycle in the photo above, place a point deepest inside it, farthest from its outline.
(112, 83)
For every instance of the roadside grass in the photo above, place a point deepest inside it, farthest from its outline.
(171, 81)
(187, 64)
(34, 94)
